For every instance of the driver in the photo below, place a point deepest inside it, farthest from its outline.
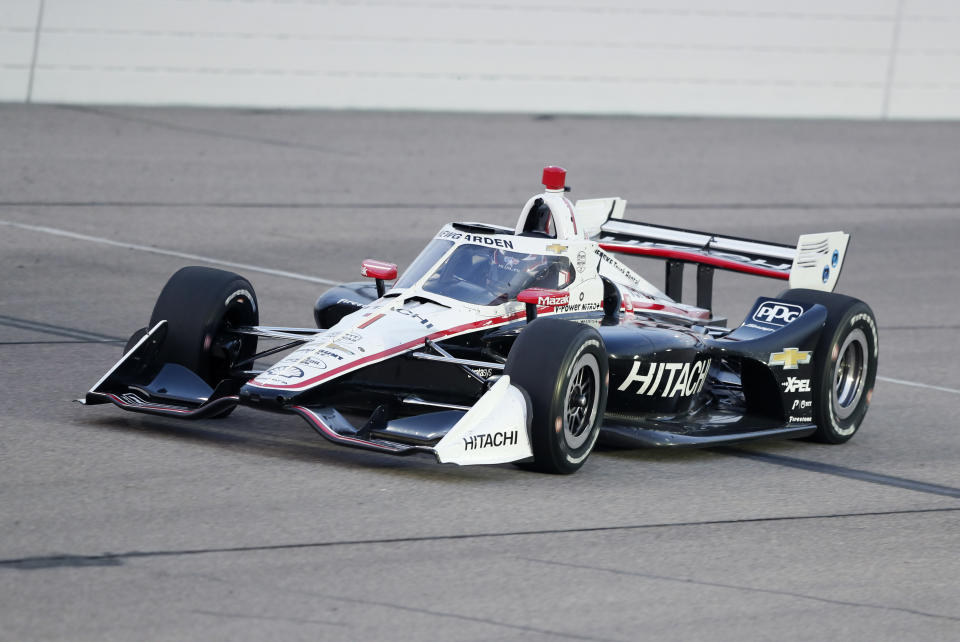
(511, 272)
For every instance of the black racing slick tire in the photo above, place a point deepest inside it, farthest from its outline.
(200, 304)
(562, 366)
(845, 364)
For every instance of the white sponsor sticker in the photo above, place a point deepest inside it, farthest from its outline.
(796, 384)
(777, 313)
(667, 379)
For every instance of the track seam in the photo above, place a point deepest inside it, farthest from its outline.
(740, 587)
(107, 559)
(841, 471)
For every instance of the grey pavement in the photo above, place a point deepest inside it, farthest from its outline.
(116, 526)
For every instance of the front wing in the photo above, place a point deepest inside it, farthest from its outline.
(495, 430)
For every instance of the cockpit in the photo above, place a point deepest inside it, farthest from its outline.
(484, 275)
(491, 276)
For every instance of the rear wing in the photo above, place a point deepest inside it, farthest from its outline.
(815, 262)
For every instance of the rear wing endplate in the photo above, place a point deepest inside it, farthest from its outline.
(814, 263)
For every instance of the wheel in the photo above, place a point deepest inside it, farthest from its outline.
(845, 364)
(199, 303)
(562, 366)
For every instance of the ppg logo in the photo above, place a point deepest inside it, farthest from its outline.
(776, 313)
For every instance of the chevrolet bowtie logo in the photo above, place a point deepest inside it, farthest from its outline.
(556, 247)
(789, 358)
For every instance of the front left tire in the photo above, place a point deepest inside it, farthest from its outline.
(200, 305)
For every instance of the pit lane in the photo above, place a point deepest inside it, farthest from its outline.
(117, 525)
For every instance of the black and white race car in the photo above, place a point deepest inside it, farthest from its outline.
(525, 345)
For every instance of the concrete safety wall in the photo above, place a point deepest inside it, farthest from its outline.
(817, 58)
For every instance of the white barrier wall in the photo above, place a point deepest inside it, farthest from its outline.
(847, 58)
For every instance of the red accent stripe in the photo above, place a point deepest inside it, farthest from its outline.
(692, 314)
(380, 356)
(693, 257)
(370, 321)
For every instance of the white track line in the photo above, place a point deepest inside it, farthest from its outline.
(919, 385)
(155, 250)
(290, 275)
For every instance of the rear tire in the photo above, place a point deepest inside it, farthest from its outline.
(845, 364)
(562, 366)
(199, 305)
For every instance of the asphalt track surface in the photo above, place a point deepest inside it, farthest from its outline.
(116, 526)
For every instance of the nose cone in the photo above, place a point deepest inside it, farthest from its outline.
(267, 399)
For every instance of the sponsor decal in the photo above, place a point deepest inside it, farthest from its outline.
(583, 307)
(866, 318)
(285, 372)
(486, 373)
(555, 301)
(826, 273)
(447, 234)
(835, 259)
(313, 362)
(239, 294)
(796, 384)
(582, 294)
(486, 240)
(581, 261)
(557, 247)
(618, 266)
(777, 313)
(790, 358)
(491, 440)
(349, 337)
(348, 301)
(414, 315)
(667, 379)
(334, 346)
(802, 404)
(330, 353)
(801, 420)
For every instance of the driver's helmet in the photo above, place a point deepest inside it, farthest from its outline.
(510, 270)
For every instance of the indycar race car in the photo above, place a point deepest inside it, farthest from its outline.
(524, 344)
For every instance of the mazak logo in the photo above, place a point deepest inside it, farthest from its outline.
(555, 301)
(796, 384)
(777, 313)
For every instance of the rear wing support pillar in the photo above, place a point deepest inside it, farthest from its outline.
(705, 286)
(673, 286)
(673, 281)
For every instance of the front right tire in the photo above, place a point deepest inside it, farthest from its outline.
(562, 366)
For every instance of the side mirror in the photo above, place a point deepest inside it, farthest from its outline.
(538, 296)
(379, 270)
